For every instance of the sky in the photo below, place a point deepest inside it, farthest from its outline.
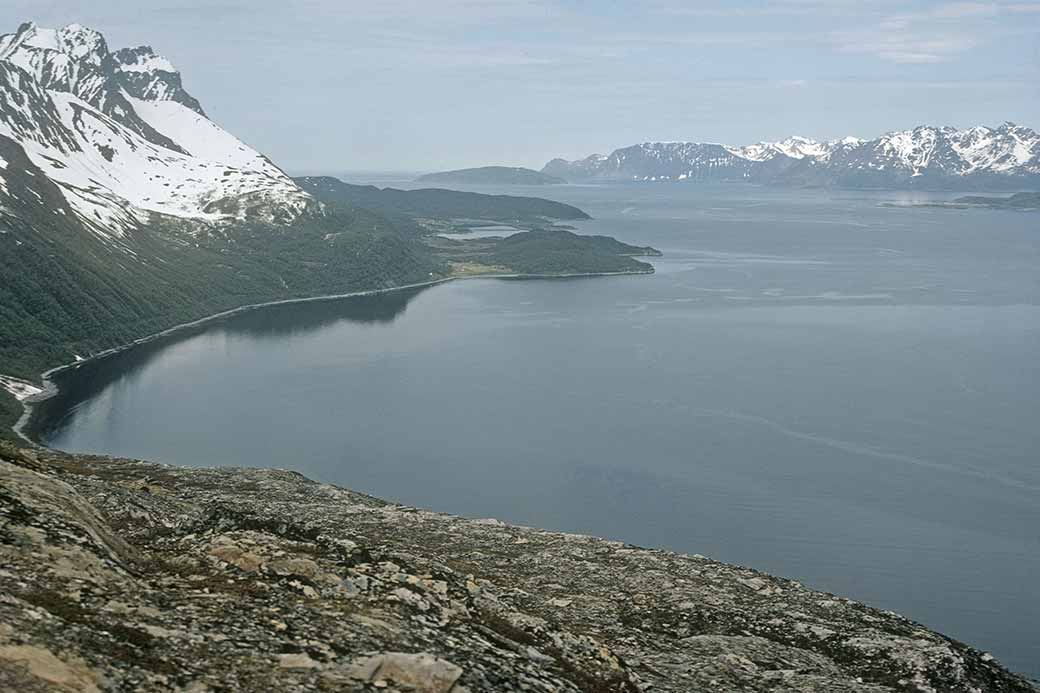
(422, 85)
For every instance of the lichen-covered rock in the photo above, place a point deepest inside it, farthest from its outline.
(422, 672)
(123, 575)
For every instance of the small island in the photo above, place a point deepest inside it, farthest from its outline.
(550, 252)
(492, 175)
(1022, 200)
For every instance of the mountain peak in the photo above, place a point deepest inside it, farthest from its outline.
(75, 41)
(148, 76)
(82, 43)
(121, 139)
(142, 59)
(75, 60)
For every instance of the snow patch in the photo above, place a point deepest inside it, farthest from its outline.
(21, 389)
(148, 63)
(47, 39)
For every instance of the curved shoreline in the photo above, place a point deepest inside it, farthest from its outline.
(50, 389)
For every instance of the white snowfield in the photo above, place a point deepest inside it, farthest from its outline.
(202, 137)
(111, 174)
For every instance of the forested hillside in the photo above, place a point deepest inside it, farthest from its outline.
(437, 203)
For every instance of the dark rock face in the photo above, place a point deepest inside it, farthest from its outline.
(147, 76)
(122, 575)
(76, 60)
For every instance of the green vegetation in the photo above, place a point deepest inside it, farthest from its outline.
(541, 252)
(66, 293)
(492, 175)
(10, 411)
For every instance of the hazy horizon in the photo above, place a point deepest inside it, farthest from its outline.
(405, 86)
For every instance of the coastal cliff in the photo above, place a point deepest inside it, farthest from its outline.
(124, 575)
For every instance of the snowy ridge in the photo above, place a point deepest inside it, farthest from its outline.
(69, 59)
(795, 147)
(146, 62)
(145, 75)
(1007, 156)
(123, 140)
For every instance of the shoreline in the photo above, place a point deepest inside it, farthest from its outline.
(49, 389)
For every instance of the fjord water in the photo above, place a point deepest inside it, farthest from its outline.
(813, 384)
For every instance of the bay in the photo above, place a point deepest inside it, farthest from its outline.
(813, 383)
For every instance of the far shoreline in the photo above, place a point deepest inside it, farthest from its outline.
(26, 430)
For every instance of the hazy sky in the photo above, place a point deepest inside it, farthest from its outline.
(321, 85)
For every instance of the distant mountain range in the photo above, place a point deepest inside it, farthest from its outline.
(492, 175)
(1002, 158)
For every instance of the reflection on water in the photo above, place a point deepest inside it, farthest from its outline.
(91, 378)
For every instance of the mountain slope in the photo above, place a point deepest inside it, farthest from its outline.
(1006, 157)
(437, 203)
(119, 159)
(68, 291)
(324, 588)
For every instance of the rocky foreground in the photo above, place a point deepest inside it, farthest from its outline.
(122, 575)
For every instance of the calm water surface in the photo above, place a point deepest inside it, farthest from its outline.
(812, 384)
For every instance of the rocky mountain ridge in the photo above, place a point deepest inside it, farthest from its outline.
(188, 579)
(1004, 157)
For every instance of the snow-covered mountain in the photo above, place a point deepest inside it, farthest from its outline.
(795, 147)
(1004, 157)
(122, 140)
